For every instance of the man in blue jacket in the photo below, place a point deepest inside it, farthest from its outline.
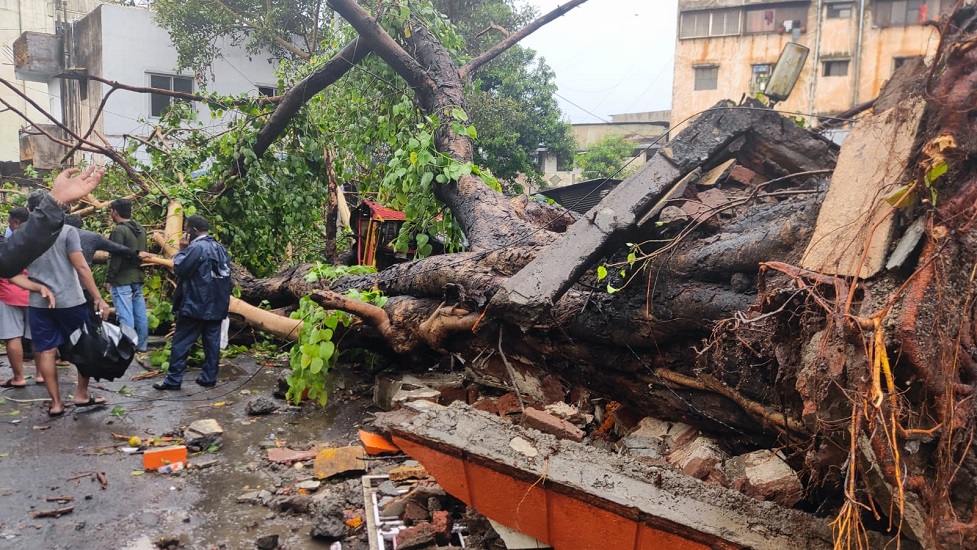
(203, 294)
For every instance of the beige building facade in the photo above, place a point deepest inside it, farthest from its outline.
(727, 48)
(16, 18)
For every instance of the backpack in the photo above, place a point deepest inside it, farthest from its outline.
(102, 350)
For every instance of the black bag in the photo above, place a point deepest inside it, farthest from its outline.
(102, 352)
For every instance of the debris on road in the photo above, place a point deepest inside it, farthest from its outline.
(338, 460)
(56, 513)
(202, 434)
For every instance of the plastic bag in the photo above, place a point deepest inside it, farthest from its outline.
(103, 353)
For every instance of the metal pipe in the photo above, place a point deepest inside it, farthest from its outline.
(817, 54)
(858, 53)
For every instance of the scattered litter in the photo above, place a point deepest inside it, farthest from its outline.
(155, 458)
(171, 468)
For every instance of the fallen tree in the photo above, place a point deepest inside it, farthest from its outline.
(692, 292)
(866, 382)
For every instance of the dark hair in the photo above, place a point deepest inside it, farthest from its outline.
(34, 199)
(74, 220)
(123, 207)
(198, 223)
(19, 213)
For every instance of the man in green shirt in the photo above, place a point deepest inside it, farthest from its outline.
(125, 275)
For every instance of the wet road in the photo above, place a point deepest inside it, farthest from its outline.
(40, 456)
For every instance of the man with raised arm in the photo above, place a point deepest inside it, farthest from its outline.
(44, 224)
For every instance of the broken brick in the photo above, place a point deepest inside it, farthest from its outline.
(486, 404)
(552, 390)
(742, 175)
(414, 512)
(508, 404)
(418, 536)
(441, 523)
(546, 422)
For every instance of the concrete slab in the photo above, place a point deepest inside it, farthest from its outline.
(855, 220)
(571, 495)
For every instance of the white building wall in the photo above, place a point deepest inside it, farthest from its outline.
(133, 47)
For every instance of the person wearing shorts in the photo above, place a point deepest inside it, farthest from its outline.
(57, 308)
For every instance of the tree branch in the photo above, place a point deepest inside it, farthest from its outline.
(512, 39)
(294, 99)
(278, 40)
(383, 44)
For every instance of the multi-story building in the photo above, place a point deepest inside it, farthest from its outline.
(16, 18)
(125, 45)
(727, 48)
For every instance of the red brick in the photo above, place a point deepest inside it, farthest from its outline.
(509, 404)
(442, 524)
(486, 404)
(546, 422)
(552, 390)
(742, 175)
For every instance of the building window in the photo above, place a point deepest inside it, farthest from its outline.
(839, 11)
(778, 19)
(700, 24)
(900, 61)
(759, 78)
(160, 102)
(707, 78)
(901, 13)
(267, 91)
(835, 67)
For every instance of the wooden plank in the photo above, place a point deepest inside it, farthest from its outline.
(854, 220)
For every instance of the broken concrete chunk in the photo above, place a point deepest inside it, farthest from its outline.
(402, 473)
(699, 458)
(854, 227)
(328, 521)
(267, 542)
(261, 405)
(672, 214)
(907, 244)
(338, 460)
(202, 434)
(514, 540)
(742, 174)
(766, 476)
(308, 485)
(392, 391)
(523, 446)
(546, 422)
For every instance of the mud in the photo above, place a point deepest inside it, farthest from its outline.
(198, 507)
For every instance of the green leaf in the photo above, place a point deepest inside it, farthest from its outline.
(612, 290)
(896, 197)
(118, 411)
(459, 114)
(327, 350)
(936, 171)
(601, 272)
(315, 366)
(138, 472)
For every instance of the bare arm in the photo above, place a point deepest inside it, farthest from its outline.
(87, 281)
(23, 282)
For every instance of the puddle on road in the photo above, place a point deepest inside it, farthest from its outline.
(217, 518)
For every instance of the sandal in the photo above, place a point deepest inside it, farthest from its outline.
(56, 414)
(9, 383)
(93, 401)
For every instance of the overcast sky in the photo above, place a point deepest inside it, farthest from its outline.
(610, 56)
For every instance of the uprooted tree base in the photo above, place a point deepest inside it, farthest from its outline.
(866, 384)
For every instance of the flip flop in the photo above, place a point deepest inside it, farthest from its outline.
(9, 383)
(56, 414)
(93, 401)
